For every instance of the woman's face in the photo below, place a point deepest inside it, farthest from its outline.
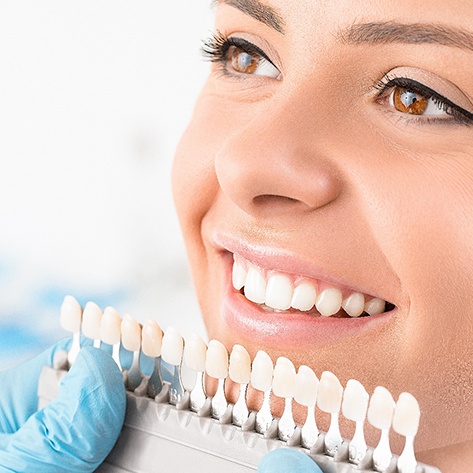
(332, 148)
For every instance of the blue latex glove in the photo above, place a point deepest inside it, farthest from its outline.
(77, 430)
(287, 460)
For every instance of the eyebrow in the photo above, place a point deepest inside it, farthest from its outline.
(257, 10)
(413, 33)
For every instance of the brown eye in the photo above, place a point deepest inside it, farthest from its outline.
(243, 62)
(408, 101)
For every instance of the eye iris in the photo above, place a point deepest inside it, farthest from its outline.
(243, 62)
(407, 101)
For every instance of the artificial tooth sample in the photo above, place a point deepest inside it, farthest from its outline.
(307, 385)
(110, 327)
(91, 322)
(380, 415)
(262, 379)
(171, 352)
(70, 319)
(329, 302)
(131, 341)
(195, 353)
(284, 385)
(238, 275)
(279, 292)
(354, 407)
(152, 338)
(406, 423)
(375, 306)
(304, 297)
(255, 286)
(329, 400)
(354, 304)
(216, 366)
(240, 372)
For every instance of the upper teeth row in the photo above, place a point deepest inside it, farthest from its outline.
(278, 291)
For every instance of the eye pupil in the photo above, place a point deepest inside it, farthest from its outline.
(243, 62)
(408, 101)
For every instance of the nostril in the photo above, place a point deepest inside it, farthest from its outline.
(271, 199)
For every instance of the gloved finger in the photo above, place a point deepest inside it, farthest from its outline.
(287, 460)
(77, 430)
(19, 389)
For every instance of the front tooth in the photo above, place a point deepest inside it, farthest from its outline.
(71, 314)
(279, 292)
(131, 333)
(304, 297)
(216, 364)
(195, 353)
(91, 321)
(406, 415)
(329, 302)
(307, 385)
(152, 339)
(110, 326)
(375, 306)
(255, 286)
(381, 408)
(238, 276)
(355, 401)
(262, 372)
(172, 347)
(240, 365)
(284, 380)
(329, 397)
(354, 304)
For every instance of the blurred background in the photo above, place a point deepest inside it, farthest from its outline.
(94, 95)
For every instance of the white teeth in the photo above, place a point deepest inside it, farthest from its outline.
(304, 297)
(255, 286)
(354, 304)
(238, 276)
(406, 415)
(110, 326)
(131, 333)
(240, 365)
(91, 321)
(216, 364)
(195, 353)
(152, 339)
(262, 372)
(330, 393)
(381, 408)
(279, 292)
(284, 379)
(172, 347)
(375, 306)
(329, 302)
(307, 385)
(71, 314)
(355, 401)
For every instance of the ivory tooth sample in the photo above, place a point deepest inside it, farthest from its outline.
(406, 423)
(131, 341)
(380, 415)
(329, 400)
(110, 328)
(307, 385)
(261, 378)
(240, 372)
(70, 319)
(152, 338)
(354, 407)
(284, 385)
(195, 353)
(91, 319)
(216, 366)
(171, 352)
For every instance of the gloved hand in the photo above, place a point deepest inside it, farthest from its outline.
(74, 432)
(287, 460)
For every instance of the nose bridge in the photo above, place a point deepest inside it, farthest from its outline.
(277, 162)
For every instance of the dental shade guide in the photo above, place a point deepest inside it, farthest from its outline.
(167, 427)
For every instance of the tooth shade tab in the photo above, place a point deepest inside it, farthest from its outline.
(381, 408)
(284, 378)
(91, 318)
(375, 306)
(216, 364)
(172, 347)
(406, 415)
(152, 339)
(240, 365)
(131, 333)
(329, 302)
(330, 393)
(238, 275)
(110, 326)
(255, 286)
(71, 315)
(355, 401)
(307, 385)
(195, 353)
(304, 297)
(262, 372)
(354, 304)
(279, 292)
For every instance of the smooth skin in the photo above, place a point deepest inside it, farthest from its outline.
(311, 159)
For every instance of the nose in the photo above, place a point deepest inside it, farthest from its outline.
(276, 164)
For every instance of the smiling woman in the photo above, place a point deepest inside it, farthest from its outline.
(325, 187)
